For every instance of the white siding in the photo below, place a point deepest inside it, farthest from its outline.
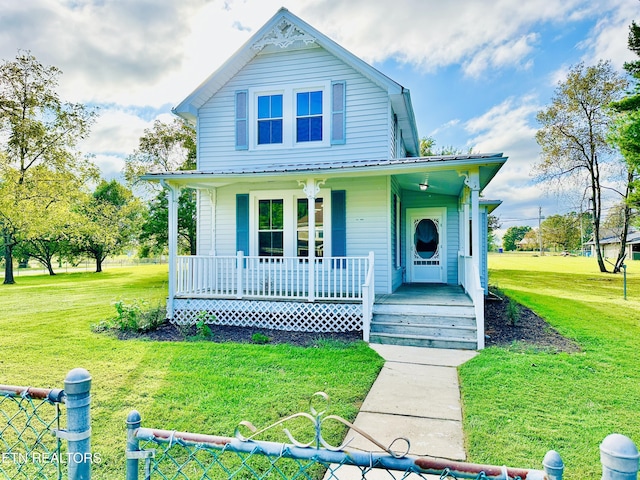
(367, 112)
(368, 221)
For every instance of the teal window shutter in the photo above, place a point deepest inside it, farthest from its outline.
(338, 109)
(242, 119)
(338, 223)
(242, 223)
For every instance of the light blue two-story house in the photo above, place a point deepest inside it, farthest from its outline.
(315, 210)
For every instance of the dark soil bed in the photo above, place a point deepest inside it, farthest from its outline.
(220, 333)
(529, 330)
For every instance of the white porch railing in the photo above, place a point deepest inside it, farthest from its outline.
(472, 285)
(245, 277)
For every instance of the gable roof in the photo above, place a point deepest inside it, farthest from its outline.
(283, 30)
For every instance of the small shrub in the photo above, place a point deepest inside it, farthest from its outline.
(513, 313)
(260, 338)
(133, 317)
(203, 330)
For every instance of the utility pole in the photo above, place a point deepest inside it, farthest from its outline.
(540, 217)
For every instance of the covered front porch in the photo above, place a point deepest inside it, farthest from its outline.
(325, 295)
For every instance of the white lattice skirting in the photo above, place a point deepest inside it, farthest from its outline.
(291, 316)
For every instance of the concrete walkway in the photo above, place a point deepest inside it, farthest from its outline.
(417, 396)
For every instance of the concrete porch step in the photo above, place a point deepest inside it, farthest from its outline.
(422, 341)
(428, 320)
(462, 332)
(431, 310)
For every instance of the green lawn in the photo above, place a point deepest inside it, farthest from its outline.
(191, 386)
(519, 403)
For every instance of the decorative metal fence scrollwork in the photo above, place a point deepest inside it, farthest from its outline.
(165, 454)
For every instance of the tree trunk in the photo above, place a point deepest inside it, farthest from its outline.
(98, 264)
(8, 259)
(49, 266)
(597, 210)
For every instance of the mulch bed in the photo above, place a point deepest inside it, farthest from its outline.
(529, 330)
(221, 334)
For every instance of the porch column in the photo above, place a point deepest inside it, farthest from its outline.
(213, 199)
(173, 193)
(311, 188)
(473, 182)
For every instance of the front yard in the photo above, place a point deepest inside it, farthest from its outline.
(520, 401)
(203, 387)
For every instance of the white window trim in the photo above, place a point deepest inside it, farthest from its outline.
(288, 93)
(289, 199)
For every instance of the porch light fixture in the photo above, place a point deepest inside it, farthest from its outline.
(423, 186)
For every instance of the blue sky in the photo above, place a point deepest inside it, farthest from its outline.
(478, 70)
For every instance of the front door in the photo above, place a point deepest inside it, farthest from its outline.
(426, 245)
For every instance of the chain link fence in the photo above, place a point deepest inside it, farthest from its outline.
(171, 455)
(29, 418)
(45, 433)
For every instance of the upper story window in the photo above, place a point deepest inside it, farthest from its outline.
(269, 119)
(291, 116)
(309, 116)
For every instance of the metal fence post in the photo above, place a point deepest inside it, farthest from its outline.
(133, 444)
(619, 458)
(553, 465)
(77, 388)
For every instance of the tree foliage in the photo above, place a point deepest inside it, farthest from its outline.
(428, 148)
(561, 232)
(112, 217)
(573, 134)
(166, 147)
(493, 224)
(512, 236)
(38, 136)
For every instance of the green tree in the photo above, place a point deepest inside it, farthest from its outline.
(573, 134)
(512, 236)
(428, 148)
(561, 232)
(493, 224)
(155, 227)
(112, 217)
(38, 136)
(166, 147)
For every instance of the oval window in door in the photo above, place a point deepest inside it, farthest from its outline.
(426, 238)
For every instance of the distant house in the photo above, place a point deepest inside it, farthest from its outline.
(315, 210)
(610, 244)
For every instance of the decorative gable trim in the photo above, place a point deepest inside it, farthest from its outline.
(283, 34)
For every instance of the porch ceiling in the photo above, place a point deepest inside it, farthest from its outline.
(444, 174)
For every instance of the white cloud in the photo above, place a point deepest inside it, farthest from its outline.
(479, 34)
(115, 132)
(509, 127)
(608, 40)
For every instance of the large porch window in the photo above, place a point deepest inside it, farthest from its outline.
(303, 227)
(270, 228)
(279, 224)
